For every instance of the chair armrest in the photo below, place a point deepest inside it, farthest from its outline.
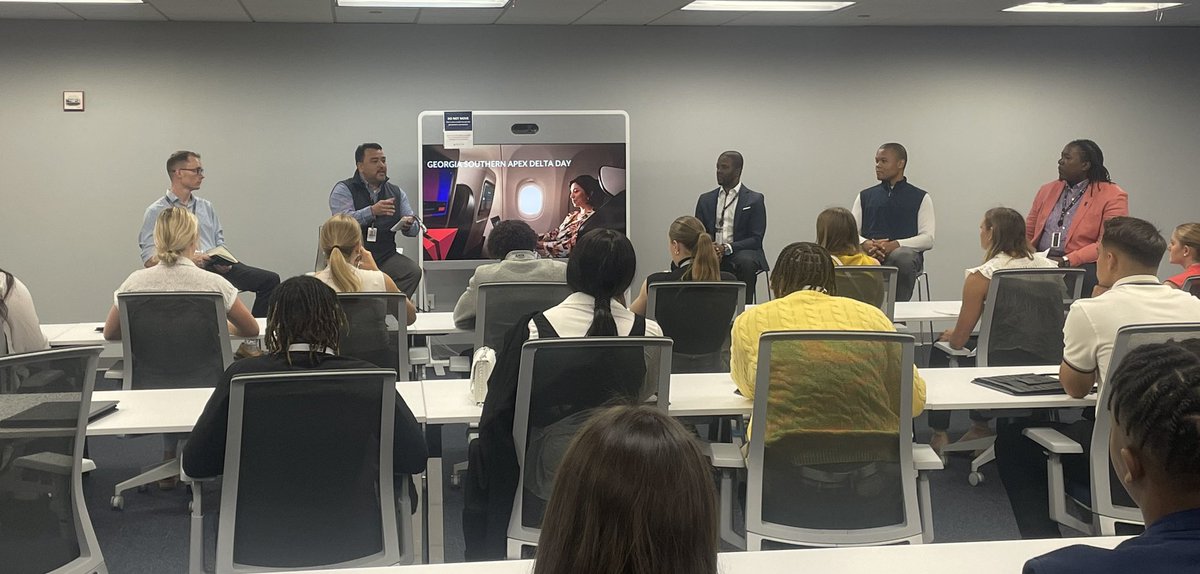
(1053, 441)
(51, 462)
(726, 455)
(925, 459)
(946, 348)
(115, 372)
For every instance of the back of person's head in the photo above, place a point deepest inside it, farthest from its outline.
(1189, 234)
(602, 264)
(690, 233)
(1091, 153)
(803, 266)
(1155, 403)
(837, 231)
(592, 188)
(176, 234)
(511, 235)
(179, 159)
(341, 237)
(8, 281)
(633, 495)
(1135, 239)
(304, 310)
(1008, 233)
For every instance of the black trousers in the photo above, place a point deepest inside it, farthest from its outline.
(744, 266)
(1022, 466)
(260, 281)
(404, 272)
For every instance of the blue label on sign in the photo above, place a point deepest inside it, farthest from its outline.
(457, 121)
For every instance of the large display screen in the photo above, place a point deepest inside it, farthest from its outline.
(465, 192)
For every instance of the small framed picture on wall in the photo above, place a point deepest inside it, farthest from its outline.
(72, 101)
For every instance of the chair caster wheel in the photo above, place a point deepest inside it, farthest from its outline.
(975, 478)
(190, 505)
(117, 502)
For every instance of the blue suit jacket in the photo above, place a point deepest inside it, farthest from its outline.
(749, 223)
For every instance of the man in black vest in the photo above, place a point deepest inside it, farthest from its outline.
(370, 198)
(895, 219)
(736, 217)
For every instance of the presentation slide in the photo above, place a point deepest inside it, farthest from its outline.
(466, 192)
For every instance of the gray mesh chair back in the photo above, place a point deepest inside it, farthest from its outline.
(499, 306)
(696, 315)
(1109, 498)
(377, 330)
(1023, 316)
(1192, 285)
(44, 524)
(321, 261)
(560, 383)
(817, 481)
(308, 473)
(4, 340)
(173, 339)
(872, 284)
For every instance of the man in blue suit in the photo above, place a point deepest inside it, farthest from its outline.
(736, 217)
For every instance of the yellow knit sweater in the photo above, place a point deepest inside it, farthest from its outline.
(856, 259)
(831, 387)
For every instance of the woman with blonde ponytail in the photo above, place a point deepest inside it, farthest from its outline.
(692, 259)
(351, 267)
(176, 239)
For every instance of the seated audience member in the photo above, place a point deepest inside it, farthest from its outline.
(1155, 449)
(1184, 251)
(837, 232)
(515, 244)
(351, 267)
(22, 330)
(595, 523)
(805, 300)
(1002, 237)
(601, 267)
(692, 259)
(176, 239)
(896, 219)
(1129, 253)
(586, 195)
(304, 325)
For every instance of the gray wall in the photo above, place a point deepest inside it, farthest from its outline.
(276, 110)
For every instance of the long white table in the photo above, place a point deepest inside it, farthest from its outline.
(1004, 557)
(926, 311)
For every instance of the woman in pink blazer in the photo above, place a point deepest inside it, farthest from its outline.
(1068, 214)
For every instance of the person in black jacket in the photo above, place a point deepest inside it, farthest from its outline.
(304, 324)
(736, 218)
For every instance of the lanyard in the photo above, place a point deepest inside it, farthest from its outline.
(1062, 215)
(730, 199)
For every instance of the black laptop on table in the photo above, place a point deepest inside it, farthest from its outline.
(56, 414)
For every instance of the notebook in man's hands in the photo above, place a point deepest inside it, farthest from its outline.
(1023, 384)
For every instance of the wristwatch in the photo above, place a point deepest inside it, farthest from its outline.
(728, 249)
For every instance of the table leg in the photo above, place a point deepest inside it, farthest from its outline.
(434, 507)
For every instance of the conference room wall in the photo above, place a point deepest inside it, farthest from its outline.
(277, 109)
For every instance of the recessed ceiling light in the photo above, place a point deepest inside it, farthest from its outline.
(75, 1)
(1104, 7)
(765, 6)
(423, 3)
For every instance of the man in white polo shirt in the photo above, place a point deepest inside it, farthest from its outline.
(1130, 251)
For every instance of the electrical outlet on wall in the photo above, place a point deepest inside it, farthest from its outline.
(429, 302)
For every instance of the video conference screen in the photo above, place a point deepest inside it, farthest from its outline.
(466, 192)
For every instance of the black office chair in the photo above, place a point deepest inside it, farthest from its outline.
(500, 305)
(377, 330)
(44, 523)
(1192, 285)
(697, 315)
(872, 284)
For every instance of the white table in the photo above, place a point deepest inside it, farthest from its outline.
(926, 311)
(1005, 557)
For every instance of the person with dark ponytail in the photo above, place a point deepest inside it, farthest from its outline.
(1154, 446)
(1068, 215)
(600, 269)
(692, 259)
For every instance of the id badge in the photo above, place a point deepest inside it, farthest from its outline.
(1055, 240)
(373, 231)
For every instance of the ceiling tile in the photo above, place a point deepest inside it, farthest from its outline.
(459, 15)
(289, 10)
(697, 18)
(123, 12)
(378, 15)
(202, 10)
(631, 12)
(36, 12)
(546, 12)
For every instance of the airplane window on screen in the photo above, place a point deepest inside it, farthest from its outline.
(529, 199)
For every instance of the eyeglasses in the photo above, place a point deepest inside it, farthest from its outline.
(196, 170)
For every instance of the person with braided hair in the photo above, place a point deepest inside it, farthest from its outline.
(1155, 450)
(1128, 257)
(1068, 215)
(352, 267)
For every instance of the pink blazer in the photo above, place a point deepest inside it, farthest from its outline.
(1102, 201)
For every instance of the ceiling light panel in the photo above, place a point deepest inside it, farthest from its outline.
(423, 3)
(1098, 8)
(765, 6)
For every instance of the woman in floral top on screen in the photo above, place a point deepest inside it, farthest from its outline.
(585, 195)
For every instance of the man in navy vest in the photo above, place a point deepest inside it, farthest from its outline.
(736, 217)
(895, 219)
(370, 198)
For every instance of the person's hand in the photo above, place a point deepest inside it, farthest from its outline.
(366, 260)
(201, 259)
(407, 222)
(719, 249)
(220, 269)
(872, 247)
(945, 336)
(887, 247)
(384, 207)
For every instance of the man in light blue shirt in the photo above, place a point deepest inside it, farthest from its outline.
(370, 198)
(186, 173)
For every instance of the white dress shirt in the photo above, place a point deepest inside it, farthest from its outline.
(727, 204)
